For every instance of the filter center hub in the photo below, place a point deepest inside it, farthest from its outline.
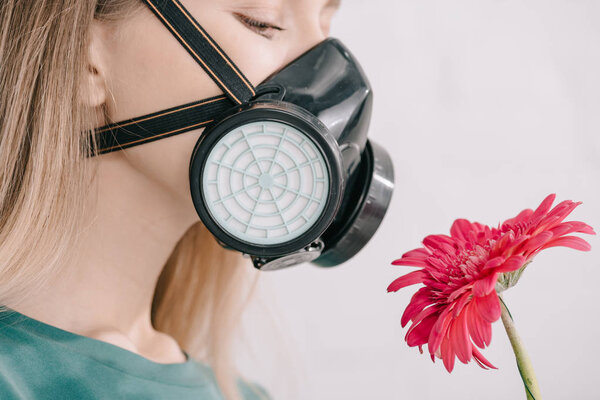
(265, 181)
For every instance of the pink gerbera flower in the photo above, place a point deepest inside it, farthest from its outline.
(464, 272)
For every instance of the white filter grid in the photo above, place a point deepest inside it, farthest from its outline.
(265, 183)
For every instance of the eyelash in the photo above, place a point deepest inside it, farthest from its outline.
(262, 28)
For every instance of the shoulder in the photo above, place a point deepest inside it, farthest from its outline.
(251, 390)
(11, 387)
(13, 365)
(248, 389)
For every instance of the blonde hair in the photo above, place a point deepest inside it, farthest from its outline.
(43, 181)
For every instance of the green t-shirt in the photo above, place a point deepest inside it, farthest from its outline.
(41, 361)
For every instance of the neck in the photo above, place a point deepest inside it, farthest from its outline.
(110, 284)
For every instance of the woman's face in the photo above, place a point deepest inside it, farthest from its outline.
(146, 70)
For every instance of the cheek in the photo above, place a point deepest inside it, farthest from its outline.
(149, 71)
(164, 166)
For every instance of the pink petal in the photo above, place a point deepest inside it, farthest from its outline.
(486, 331)
(544, 207)
(447, 354)
(522, 216)
(418, 334)
(493, 263)
(473, 323)
(500, 245)
(562, 229)
(485, 285)
(459, 292)
(417, 253)
(436, 263)
(472, 237)
(488, 306)
(514, 246)
(419, 300)
(487, 231)
(480, 364)
(460, 229)
(460, 339)
(582, 227)
(439, 330)
(536, 241)
(460, 304)
(481, 359)
(407, 280)
(573, 242)
(512, 264)
(477, 227)
(440, 242)
(422, 315)
(546, 223)
(411, 262)
(563, 209)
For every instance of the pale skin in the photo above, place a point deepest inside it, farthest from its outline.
(141, 205)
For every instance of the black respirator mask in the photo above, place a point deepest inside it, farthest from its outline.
(283, 172)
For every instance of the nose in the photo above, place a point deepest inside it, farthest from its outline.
(308, 34)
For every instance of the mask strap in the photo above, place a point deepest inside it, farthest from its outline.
(203, 49)
(158, 125)
(236, 87)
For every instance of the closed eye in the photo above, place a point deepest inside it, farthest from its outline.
(262, 28)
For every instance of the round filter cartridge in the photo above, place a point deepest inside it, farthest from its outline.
(265, 183)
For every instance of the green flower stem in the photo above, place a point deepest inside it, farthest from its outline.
(532, 388)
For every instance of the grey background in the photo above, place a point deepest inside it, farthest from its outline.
(486, 106)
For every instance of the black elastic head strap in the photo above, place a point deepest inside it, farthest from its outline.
(203, 49)
(236, 87)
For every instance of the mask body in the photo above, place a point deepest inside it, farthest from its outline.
(283, 172)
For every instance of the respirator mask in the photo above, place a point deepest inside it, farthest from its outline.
(283, 172)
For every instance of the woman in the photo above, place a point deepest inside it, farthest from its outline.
(111, 286)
